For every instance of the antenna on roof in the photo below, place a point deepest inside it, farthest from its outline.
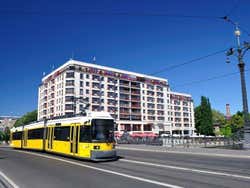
(72, 55)
(94, 59)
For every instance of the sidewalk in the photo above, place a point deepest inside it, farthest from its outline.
(215, 152)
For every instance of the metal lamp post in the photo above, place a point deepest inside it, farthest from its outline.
(241, 50)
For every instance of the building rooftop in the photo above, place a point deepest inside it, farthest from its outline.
(75, 62)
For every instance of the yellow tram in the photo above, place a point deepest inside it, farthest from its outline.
(89, 137)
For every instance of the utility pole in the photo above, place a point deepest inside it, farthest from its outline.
(240, 52)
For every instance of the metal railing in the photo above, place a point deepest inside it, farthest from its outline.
(182, 142)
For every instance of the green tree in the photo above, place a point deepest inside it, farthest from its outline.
(7, 134)
(226, 131)
(236, 122)
(218, 118)
(204, 118)
(27, 118)
(1, 136)
(197, 117)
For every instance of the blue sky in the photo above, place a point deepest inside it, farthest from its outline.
(37, 35)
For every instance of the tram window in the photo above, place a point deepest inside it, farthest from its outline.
(85, 134)
(17, 136)
(102, 130)
(62, 133)
(35, 133)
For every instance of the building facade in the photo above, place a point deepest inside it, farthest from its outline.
(139, 103)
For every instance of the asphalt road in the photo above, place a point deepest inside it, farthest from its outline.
(134, 169)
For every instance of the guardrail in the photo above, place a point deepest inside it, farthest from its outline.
(184, 142)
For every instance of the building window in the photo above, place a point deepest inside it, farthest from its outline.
(70, 74)
(81, 76)
(69, 91)
(81, 91)
(69, 99)
(87, 91)
(68, 106)
(87, 76)
(70, 82)
(81, 83)
(147, 127)
(136, 127)
(87, 83)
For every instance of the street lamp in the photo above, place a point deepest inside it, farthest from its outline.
(239, 52)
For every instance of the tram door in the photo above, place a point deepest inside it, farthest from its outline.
(50, 137)
(24, 138)
(74, 138)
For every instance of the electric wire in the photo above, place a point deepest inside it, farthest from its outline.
(209, 79)
(96, 12)
(188, 62)
(229, 20)
(235, 6)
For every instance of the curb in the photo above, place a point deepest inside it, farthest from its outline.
(186, 153)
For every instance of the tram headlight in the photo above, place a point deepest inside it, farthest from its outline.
(96, 147)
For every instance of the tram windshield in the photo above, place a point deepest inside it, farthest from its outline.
(103, 130)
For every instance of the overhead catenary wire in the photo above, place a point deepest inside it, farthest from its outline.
(229, 20)
(188, 62)
(234, 7)
(126, 13)
(209, 79)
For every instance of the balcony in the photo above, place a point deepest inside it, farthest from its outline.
(124, 117)
(159, 88)
(124, 83)
(112, 104)
(151, 87)
(161, 118)
(152, 106)
(124, 90)
(160, 106)
(45, 105)
(136, 117)
(137, 106)
(135, 85)
(136, 112)
(112, 88)
(112, 109)
(125, 105)
(124, 112)
(96, 93)
(150, 99)
(151, 117)
(112, 81)
(160, 100)
(135, 98)
(96, 78)
(150, 93)
(159, 94)
(160, 113)
(124, 98)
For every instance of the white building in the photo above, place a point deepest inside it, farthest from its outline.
(181, 112)
(138, 102)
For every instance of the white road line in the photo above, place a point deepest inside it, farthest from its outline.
(104, 170)
(186, 169)
(9, 181)
(187, 153)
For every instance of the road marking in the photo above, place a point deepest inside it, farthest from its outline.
(104, 170)
(186, 169)
(9, 181)
(187, 153)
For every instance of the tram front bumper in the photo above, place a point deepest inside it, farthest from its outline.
(103, 155)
